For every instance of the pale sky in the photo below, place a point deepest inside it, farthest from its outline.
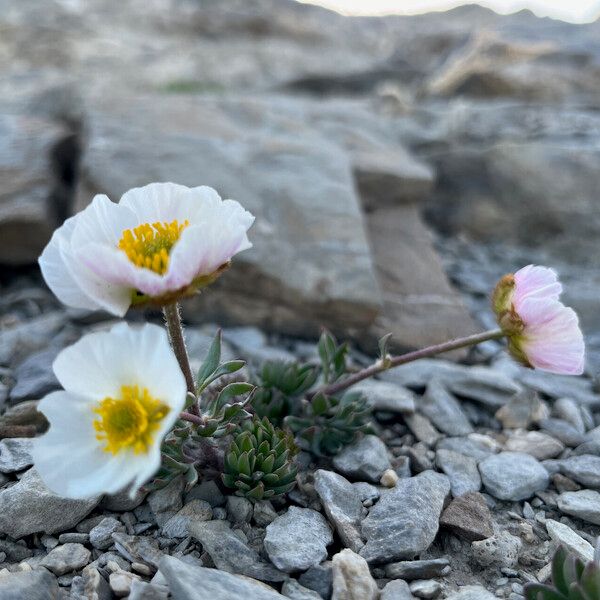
(577, 11)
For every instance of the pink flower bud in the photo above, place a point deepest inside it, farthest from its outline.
(542, 332)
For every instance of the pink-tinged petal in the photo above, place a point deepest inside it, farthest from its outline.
(72, 282)
(112, 266)
(55, 271)
(535, 281)
(552, 339)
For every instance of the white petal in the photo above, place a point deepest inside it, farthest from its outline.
(100, 363)
(56, 273)
(165, 202)
(95, 367)
(152, 363)
(102, 221)
(68, 457)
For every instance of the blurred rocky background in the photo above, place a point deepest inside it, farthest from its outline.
(397, 166)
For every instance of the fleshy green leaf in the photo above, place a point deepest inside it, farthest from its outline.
(211, 362)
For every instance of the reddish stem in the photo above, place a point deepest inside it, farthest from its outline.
(396, 361)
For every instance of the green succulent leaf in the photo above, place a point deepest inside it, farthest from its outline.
(571, 580)
(333, 357)
(327, 424)
(211, 362)
(258, 464)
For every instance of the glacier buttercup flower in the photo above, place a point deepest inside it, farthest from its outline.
(123, 391)
(541, 331)
(159, 243)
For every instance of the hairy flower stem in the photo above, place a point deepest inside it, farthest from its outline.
(186, 416)
(172, 315)
(396, 361)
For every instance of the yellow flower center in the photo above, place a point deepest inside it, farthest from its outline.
(130, 421)
(149, 245)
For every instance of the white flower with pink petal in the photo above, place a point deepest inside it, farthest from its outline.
(159, 243)
(541, 331)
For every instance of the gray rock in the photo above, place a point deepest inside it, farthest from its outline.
(121, 581)
(240, 509)
(540, 445)
(77, 538)
(319, 579)
(179, 524)
(590, 447)
(559, 386)
(461, 470)
(135, 548)
(365, 459)
(23, 338)
(584, 505)
(140, 590)
(15, 552)
(208, 491)
(122, 502)
(387, 396)
(469, 517)
(422, 428)
(513, 476)
(568, 410)
(366, 491)
(405, 520)
(418, 569)
(343, 506)
(38, 584)
(563, 431)
(292, 589)
(230, 553)
(444, 411)
(573, 542)
(167, 501)
(417, 285)
(396, 590)
(501, 550)
(484, 385)
(522, 410)
(35, 376)
(66, 558)
(472, 592)
(101, 535)
(352, 579)
(188, 582)
(426, 588)
(15, 454)
(90, 586)
(584, 469)
(298, 539)
(33, 200)
(466, 446)
(29, 507)
(264, 513)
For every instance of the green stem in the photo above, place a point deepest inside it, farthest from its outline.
(172, 315)
(396, 361)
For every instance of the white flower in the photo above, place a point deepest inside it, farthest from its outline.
(123, 391)
(160, 242)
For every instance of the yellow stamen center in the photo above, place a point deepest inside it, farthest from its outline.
(149, 245)
(129, 422)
